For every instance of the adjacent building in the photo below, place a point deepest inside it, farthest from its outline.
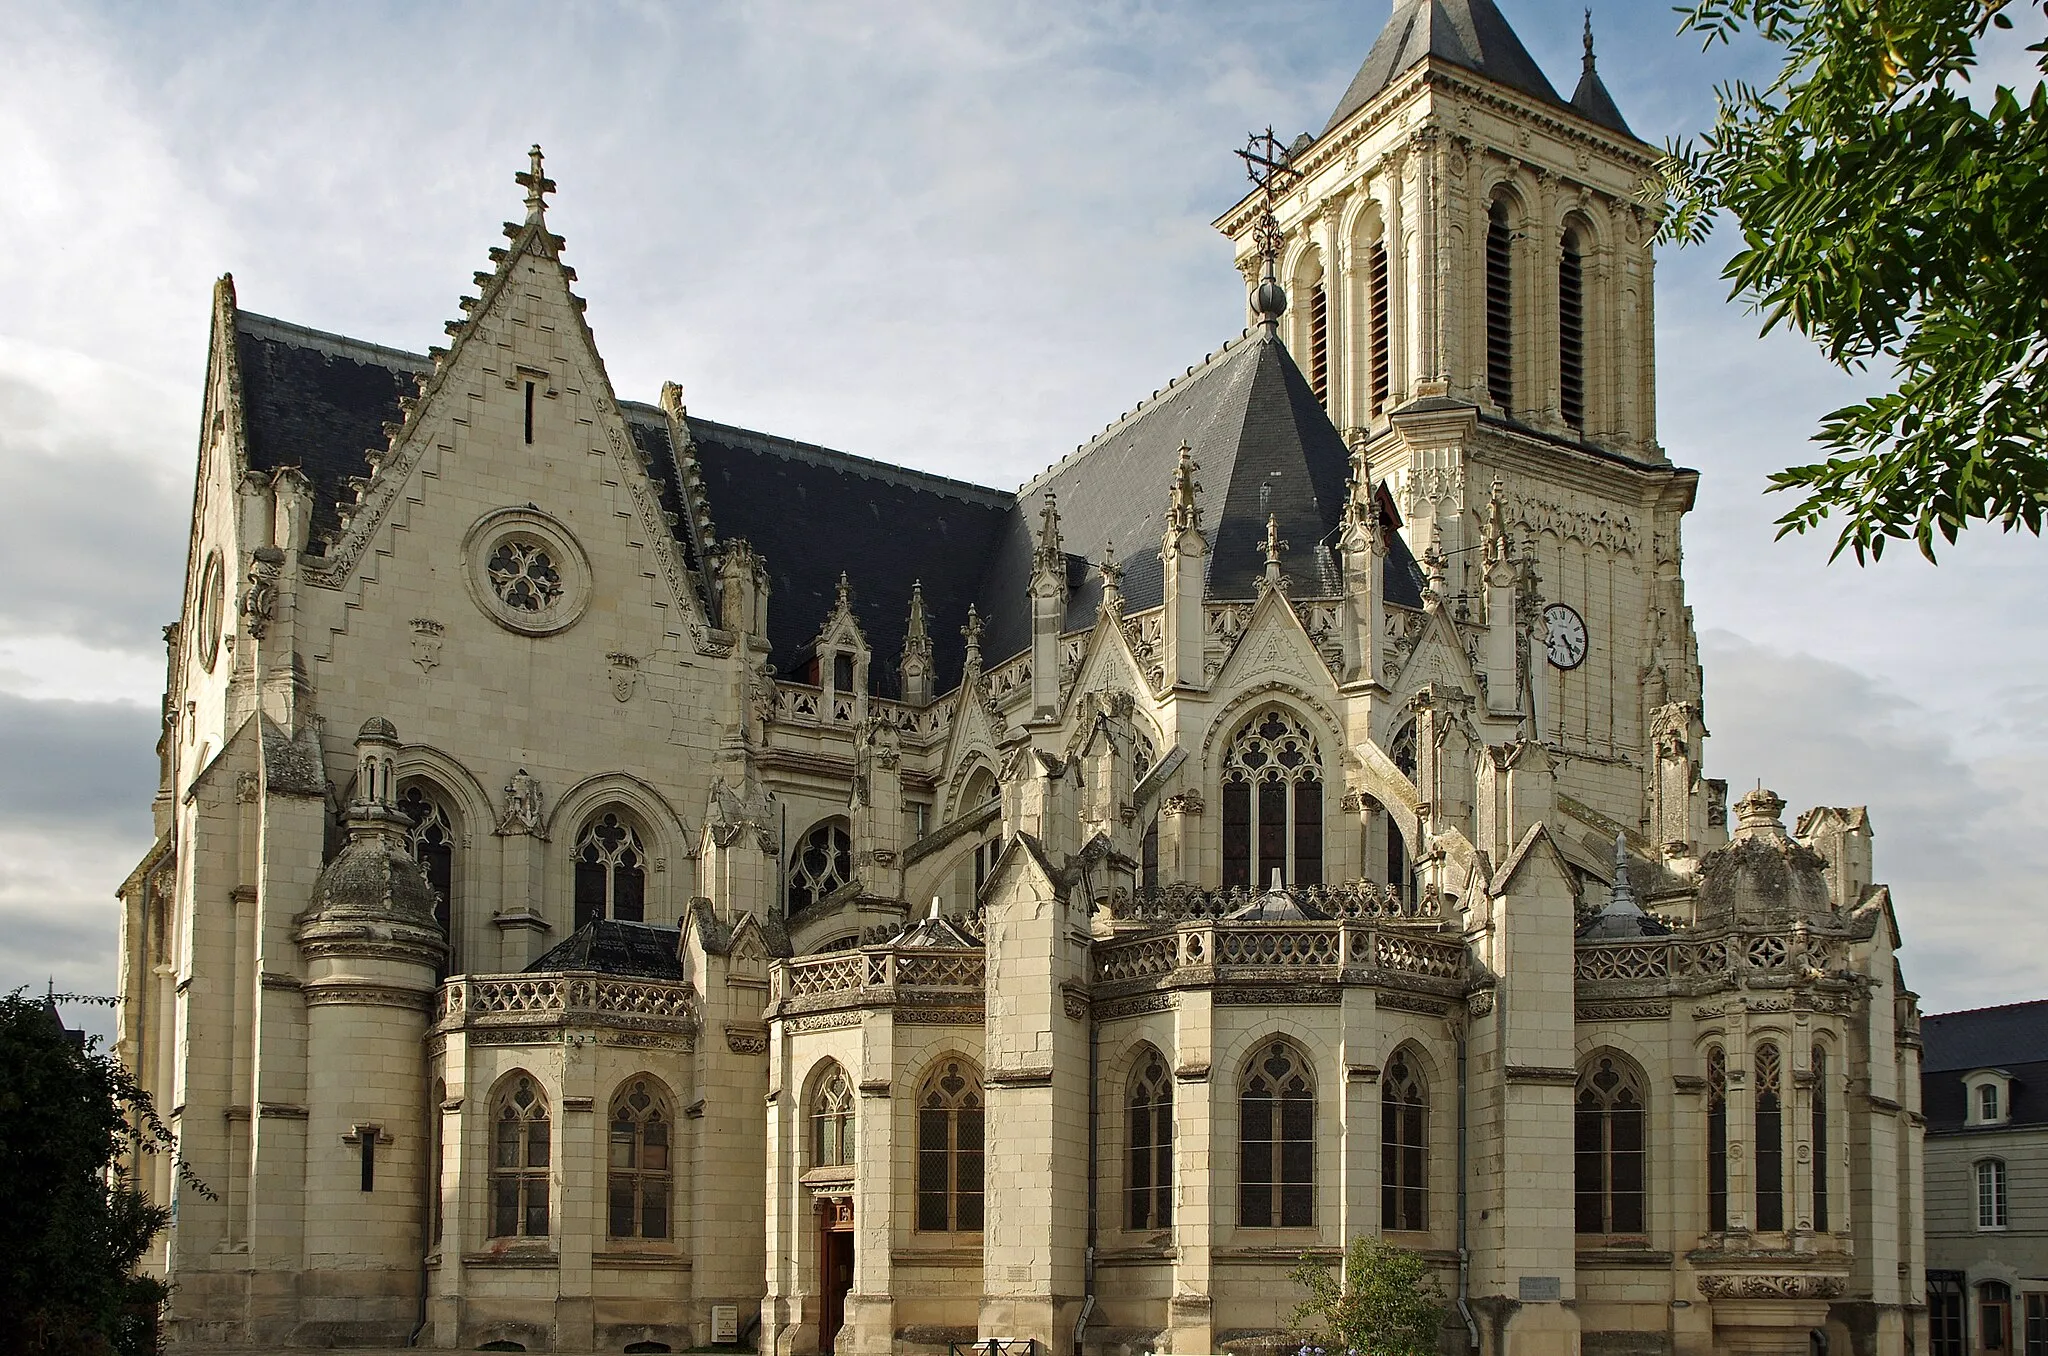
(625, 881)
(1984, 1087)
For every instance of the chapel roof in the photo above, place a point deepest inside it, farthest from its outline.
(1264, 446)
(1474, 35)
(606, 946)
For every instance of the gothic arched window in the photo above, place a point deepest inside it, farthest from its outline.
(1500, 306)
(519, 1160)
(1148, 1185)
(1822, 1222)
(1609, 1130)
(1404, 1145)
(1717, 1139)
(1273, 803)
(641, 1179)
(832, 1121)
(1276, 1131)
(431, 840)
(1571, 330)
(949, 1138)
(822, 863)
(611, 871)
(1770, 1139)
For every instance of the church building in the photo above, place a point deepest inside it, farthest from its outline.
(625, 882)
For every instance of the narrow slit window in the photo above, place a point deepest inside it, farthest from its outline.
(1500, 308)
(1571, 333)
(369, 1148)
(1378, 348)
(529, 413)
(1319, 343)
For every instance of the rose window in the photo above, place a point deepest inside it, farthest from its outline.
(524, 576)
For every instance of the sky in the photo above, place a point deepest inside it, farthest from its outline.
(958, 236)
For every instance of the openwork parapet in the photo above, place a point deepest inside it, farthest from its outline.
(1194, 954)
(566, 999)
(878, 978)
(1179, 902)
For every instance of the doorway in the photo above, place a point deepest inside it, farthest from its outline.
(835, 1269)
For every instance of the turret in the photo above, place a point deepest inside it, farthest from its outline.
(371, 950)
(1048, 610)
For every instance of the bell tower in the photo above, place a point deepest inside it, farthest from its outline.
(1468, 277)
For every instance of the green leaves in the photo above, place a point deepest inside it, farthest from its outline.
(1386, 1303)
(1890, 220)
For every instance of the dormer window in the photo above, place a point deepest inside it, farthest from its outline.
(1987, 1097)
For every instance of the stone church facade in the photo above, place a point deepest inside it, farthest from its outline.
(626, 881)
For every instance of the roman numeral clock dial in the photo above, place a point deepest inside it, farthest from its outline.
(1564, 636)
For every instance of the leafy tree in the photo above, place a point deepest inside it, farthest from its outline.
(1386, 1303)
(74, 1226)
(1892, 221)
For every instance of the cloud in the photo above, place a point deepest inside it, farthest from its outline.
(1963, 842)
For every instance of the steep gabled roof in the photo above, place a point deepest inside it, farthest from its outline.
(1264, 445)
(1474, 35)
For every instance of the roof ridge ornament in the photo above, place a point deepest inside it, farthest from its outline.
(1270, 167)
(536, 183)
(1183, 510)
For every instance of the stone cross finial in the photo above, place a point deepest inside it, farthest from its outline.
(1758, 815)
(1112, 581)
(845, 599)
(1274, 548)
(536, 183)
(1588, 59)
(972, 634)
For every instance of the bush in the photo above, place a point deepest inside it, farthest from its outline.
(1386, 1303)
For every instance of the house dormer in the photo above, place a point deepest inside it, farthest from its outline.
(1987, 1098)
(841, 660)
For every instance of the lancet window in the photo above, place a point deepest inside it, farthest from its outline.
(1717, 1139)
(832, 1121)
(611, 871)
(822, 863)
(1571, 331)
(431, 840)
(1770, 1139)
(1822, 1223)
(1404, 1145)
(1500, 306)
(1276, 1110)
(949, 1149)
(1273, 803)
(1148, 1182)
(1609, 1126)
(641, 1179)
(519, 1160)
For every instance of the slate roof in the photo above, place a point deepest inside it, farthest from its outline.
(1264, 444)
(1472, 34)
(608, 947)
(2013, 1038)
(319, 401)
(811, 512)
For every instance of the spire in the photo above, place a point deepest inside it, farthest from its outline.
(536, 183)
(1183, 512)
(1591, 99)
(971, 633)
(844, 601)
(1274, 549)
(1112, 582)
(1622, 901)
(1361, 527)
(916, 637)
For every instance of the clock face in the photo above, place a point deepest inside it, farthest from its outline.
(1564, 636)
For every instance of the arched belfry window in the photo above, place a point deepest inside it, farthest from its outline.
(519, 1160)
(1770, 1139)
(1571, 330)
(832, 1120)
(641, 1179)
(822, 862)
(1148, 1182)
(1404, 1145)
(1273, 803)
(431, 840)
(949, 1148)
(611, 871)
(1378, 346)
(1276, 1127)
(1319, 341)
(1608, 1140)
(1500, 305)
(1717, 1139)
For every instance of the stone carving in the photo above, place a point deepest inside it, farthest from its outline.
(1182, 803)
(522, 807)
(1720, 1285)
(426, 643)
(625, 674)
(259, 595)
(1135, 1006)
(1623, 1012)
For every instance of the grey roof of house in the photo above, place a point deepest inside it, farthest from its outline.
(1472, 34)
(609, 947)
(320, 401)
(2013, 1038)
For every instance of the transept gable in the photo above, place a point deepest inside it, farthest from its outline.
(1107, 663)
(1439, 659)
(1273, 646)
